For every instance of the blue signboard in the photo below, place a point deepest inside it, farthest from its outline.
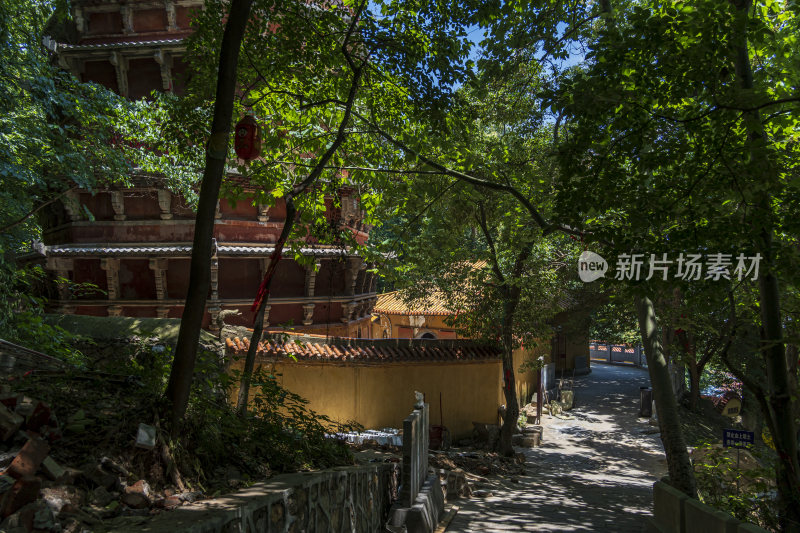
(737, 438)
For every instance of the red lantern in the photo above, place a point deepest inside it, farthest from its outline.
(247, 138)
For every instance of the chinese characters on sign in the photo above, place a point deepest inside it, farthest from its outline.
(736, 438)
(689, 267)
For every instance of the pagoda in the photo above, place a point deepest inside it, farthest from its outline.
(132, 245)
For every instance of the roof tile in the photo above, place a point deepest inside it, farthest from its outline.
(321, 348)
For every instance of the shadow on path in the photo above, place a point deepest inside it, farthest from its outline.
(593, 472)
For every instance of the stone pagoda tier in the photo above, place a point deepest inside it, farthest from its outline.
(136, 247)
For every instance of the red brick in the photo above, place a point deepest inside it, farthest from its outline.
(23, 492)
(137, 495)
(27, 461)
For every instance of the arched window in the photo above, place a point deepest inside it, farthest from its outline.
(427, 335)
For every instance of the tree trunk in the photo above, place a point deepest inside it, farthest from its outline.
(180, 378)
(779, 400)
(681, 474)
(694, 384)
(505, 446)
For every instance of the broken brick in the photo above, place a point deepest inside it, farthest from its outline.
(10, 422)
(27, 461)
(24, 491)
(137, 495)
(135, 501)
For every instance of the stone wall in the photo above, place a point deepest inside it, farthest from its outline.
(355, 498)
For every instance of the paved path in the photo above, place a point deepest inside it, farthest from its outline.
(592, 473)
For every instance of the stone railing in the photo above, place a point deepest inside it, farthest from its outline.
(415, 454)
(675, 512)
(617, 353)
(343, 499)
(421, 502)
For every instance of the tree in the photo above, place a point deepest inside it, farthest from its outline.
(500, 278)
(476, 248)
(180, 378)
(702, 331)
(368, 61)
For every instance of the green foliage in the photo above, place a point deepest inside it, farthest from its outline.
(278, 433)
(477, 249)
(21, 318)
(120, 386)
(746, 493)
(615, 322)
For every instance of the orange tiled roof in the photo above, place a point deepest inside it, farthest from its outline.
(390, 303)
(321, 348)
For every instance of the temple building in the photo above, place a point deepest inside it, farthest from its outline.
(135, 247)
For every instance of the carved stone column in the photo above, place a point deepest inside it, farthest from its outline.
(127, 18)
(162, 312)
(217, 212)
(372, 284)
(165, 204)
(365, 280)
(347, 311)
(308, 314)
(114, 310)
(72, 205)
(72, 64)
(159, 268)
(172, 24)
(121, 66)
(62, 267)
(214, 278)
(353, 268)
(262, 213)
(111, 266)
(80, 20)
(214, 311)
(118, 204)
(164, 61)
(311, 277)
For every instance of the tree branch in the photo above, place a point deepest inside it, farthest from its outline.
(22, 219)
(487, 234)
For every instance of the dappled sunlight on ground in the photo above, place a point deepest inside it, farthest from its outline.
(593, 472)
